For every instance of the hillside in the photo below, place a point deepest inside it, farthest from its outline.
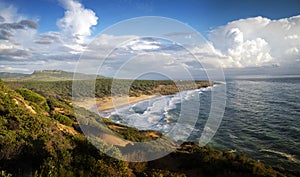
(41, 137)
(37, 139)
(47, 75)
(103, 87)
(6, 75)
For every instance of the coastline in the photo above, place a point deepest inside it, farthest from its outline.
(110, 102)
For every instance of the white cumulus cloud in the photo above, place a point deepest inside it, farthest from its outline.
(258, 41)
(77, 20)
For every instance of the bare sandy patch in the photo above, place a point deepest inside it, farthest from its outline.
(114, 140)
(116, 128)
(153, 134)
(66, 129)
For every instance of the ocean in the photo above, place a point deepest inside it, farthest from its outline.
(261, 118)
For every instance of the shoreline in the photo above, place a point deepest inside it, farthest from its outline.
(110, 102)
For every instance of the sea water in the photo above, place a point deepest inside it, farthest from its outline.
(261, 119)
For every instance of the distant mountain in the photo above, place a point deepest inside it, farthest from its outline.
(48, 75)
(11, 75)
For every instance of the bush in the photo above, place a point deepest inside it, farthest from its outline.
(63, 119)
(34, 97)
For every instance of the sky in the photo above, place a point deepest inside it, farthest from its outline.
(241, 37)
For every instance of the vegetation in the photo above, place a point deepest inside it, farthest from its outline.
(39, 136)
(104, 87)
(34, 97)
(47, 75)
(34, 143)
(10, 75)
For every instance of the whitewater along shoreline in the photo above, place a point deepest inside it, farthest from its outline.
(111, 102)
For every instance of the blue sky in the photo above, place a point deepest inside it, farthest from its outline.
(242, 34)
(200, 14)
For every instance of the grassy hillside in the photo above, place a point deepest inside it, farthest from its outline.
(40, 136)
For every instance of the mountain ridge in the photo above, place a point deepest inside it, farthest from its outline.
(49, 75)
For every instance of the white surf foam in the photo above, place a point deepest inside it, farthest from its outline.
(283, 154)
(154, 114)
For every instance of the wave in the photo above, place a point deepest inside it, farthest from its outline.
(232, 151)
(159, 113)
(287, 156)
(232, 136)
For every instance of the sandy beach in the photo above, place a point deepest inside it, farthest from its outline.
(110, 102)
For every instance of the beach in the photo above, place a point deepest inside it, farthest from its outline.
(110, 102)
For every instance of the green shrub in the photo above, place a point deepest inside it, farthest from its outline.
(63, 119)
(34, 97)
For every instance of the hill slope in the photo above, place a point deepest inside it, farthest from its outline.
(33, 139)
(47, 75)
(11, 75)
